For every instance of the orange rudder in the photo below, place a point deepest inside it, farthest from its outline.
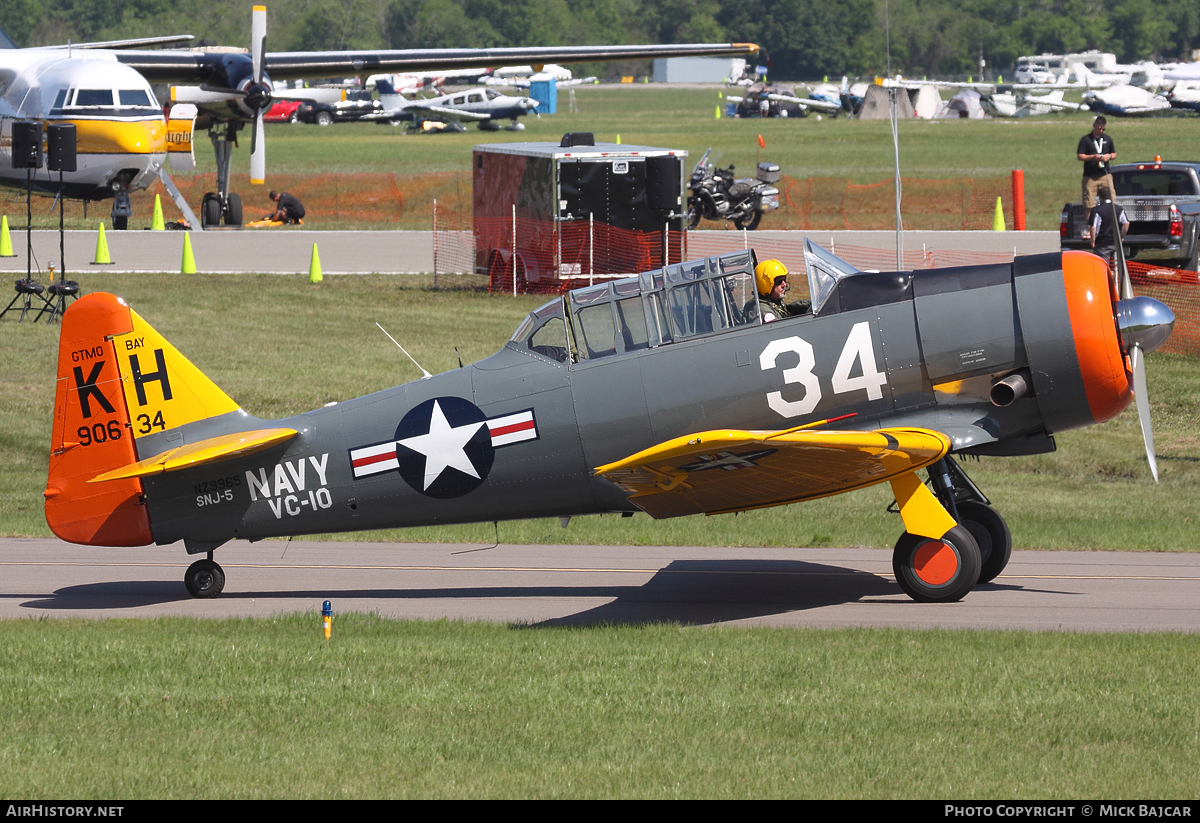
(92, 432)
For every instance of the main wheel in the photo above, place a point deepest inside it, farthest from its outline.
(204, 579)
(120, 223)
(210, 210)
(233, 212)
(936, 571)
(748, 223)
(991, 533)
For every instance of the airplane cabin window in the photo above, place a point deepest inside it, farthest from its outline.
(633, 324)
(94, 97)
(594, 329)
(550, 340)
(457, 101)
(61, 98)
(138, 98)
(475, 98)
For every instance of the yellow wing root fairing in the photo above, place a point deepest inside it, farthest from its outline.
(728, 470)
(210, 450)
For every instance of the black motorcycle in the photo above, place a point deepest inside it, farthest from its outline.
(715, 194)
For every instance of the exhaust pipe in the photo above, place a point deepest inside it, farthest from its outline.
(1011, 389)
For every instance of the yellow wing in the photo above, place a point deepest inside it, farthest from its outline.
(726, 470)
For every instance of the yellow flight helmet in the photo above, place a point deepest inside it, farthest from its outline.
(766, 273)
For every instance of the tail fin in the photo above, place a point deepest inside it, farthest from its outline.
(118, 380)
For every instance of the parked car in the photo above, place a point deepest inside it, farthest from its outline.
(1162, 201)
(284, 111)
(356, 104)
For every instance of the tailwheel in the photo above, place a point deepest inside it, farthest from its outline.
(937, 571)
(991, 533)
(204, 579)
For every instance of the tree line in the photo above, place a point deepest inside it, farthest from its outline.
(802, 39)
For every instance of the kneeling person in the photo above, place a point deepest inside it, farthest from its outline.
(288, 208)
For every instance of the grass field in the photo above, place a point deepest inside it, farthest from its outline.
(266, 708)
(1044, 147)
(316, 344)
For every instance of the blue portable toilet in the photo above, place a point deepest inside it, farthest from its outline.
(544, 89)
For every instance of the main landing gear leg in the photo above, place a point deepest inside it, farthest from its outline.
(222, 205)
(975, 543)
(204, 578)
(974, 512)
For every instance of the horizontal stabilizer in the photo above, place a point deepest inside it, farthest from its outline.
(722, 471)
(211, 450)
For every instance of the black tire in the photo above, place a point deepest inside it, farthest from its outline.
(991, 534)
(324, 118)
(233, 211)
(210, 210)
(204, 579)
(120, 223)
(936, 571)
(749, 224)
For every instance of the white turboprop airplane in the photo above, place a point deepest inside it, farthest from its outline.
(1008, 99)
(483, 106)
(127, 145)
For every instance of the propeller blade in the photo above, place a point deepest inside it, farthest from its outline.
(258, 37)
(202, 94)
(258, 152)
(1142, 399)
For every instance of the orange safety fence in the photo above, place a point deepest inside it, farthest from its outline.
(811, 203)
(1180, 290)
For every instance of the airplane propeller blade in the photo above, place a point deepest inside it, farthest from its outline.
(1142, 399)
(258, 38)
(1145, 324)
(258, 151)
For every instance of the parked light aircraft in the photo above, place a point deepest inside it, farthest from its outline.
(664, 393)
(126, 143)
(483, 106)
(1126, 101)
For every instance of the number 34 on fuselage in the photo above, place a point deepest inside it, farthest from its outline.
(663, 393)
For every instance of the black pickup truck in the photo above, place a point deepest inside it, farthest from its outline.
(1162, 201)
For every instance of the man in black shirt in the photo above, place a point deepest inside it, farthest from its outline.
(288, 208)
(1096, 150)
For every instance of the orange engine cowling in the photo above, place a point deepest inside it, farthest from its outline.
(1091, 300)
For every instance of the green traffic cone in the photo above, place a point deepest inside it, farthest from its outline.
(6, 249)
(314, 267)
(998, 220)
(156, 223)
(102, 256)
(189, 260)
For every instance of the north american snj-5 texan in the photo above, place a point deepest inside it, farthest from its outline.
(123, 138)
(664, 393)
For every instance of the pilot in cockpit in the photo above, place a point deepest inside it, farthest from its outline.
(770, 277)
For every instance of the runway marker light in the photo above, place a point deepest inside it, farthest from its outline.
(327, 618)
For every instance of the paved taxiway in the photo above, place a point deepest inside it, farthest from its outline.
(1073, 591)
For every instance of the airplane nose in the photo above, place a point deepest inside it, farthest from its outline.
(1144, 322)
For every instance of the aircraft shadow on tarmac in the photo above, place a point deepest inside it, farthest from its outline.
(688, 592)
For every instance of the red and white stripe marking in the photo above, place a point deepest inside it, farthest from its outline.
(374, 459)
(513, 428)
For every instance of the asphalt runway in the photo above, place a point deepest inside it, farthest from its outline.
(579, 585)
